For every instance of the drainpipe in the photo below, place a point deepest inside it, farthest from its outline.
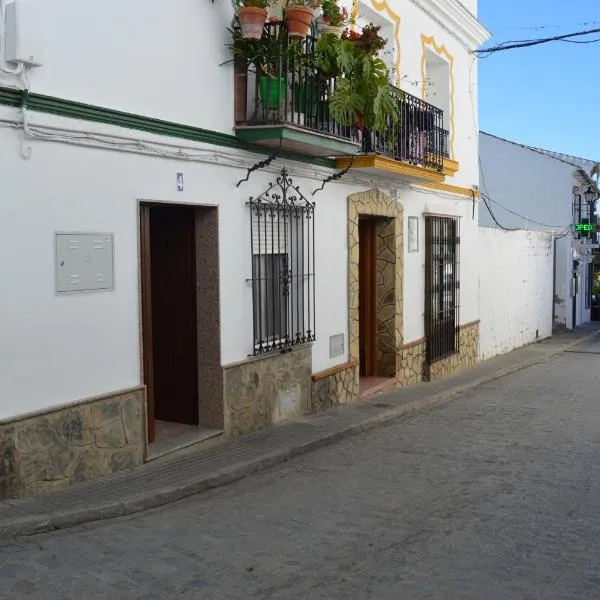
(553, 280)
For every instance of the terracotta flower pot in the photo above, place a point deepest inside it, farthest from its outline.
(298, 19)
(326, 29)
(332, 30)
(252, 22)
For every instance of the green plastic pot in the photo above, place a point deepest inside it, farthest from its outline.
(305, 99)
(271, 91)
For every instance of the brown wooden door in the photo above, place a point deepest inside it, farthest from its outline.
(170, 318)
(367, 276)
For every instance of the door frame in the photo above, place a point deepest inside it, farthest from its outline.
(146, 308)
(146, 340)
(367, 320)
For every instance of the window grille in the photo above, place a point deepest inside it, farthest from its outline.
(442, 287)
(283, 264)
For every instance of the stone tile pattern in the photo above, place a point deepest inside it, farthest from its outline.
(210, 373)
(267, 390)
(386, 297)
(412, 362)
(467, 356)
(337, 388)
(390, 273)
(51, 450)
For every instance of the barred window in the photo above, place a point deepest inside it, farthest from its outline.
(283, 294)
(442, 287)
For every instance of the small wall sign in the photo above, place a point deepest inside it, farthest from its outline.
(180, 182)
(413, 234)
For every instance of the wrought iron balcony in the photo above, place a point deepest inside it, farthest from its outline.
(282, 101)
(418, 137)
(286, 97)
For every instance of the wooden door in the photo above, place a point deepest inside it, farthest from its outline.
(170, 333)
(367, 277)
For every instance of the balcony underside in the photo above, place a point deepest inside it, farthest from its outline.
(286, 136)
(383, 165)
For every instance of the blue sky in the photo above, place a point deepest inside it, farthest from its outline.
(546, 96)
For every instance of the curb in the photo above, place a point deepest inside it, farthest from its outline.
(41, 523)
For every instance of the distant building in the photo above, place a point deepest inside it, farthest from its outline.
(530, 188)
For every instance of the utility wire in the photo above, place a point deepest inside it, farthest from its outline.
(528, 43)
(542, 27)
(487, 200)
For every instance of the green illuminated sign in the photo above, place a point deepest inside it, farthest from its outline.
(585, 227)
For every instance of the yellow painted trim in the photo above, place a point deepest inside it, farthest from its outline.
(427, 41)
(449, 167)
(395, 167)
(383, 6)
(354, 14)
(453, 189)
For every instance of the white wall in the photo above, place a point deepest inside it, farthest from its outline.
(515, 289)
(532, 191)
(415, 23)
(59, 349)
(147, 57)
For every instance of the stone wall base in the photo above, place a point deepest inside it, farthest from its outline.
(50, 450)
(266, 390)
(412, 363)
(334, 387)
(467, 356)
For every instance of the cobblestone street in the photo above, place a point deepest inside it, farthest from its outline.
(493, 496)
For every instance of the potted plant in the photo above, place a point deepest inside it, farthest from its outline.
(363, 95)
(368, 40)
(264, 56)
(299, 16)
(333, 20)
(252, 15)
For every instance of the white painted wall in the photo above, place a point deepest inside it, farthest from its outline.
(530, 190)
(515, 289)
(414, 23)
(146, 57)
(163, 61)
(64, 348)
(166, 60)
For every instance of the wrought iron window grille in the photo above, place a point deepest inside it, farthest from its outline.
(442, 287)
(282, 232)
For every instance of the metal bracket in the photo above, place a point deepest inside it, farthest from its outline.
(261, 164)
(335, 176)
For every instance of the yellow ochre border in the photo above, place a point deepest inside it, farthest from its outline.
(453, 189)
(429, 42)
(370, 161)
(383, 7)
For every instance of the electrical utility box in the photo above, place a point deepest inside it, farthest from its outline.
(84, 262)
(22, 33)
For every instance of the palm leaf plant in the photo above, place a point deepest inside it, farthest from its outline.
(363, 95)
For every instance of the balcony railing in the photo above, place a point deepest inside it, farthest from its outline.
(438, 136)
(287, 89)
(416, 138)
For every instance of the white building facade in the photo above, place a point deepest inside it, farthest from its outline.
(527, 188)
(176, 266)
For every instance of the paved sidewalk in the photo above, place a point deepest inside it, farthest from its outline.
(199, 468)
